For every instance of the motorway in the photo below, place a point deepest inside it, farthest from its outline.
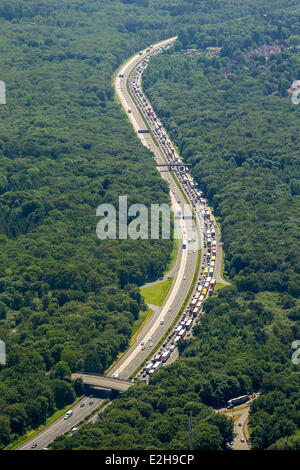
(185, 267)
(186, 263)
(183, 271)
(60, 426)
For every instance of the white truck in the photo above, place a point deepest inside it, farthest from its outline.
(68, 414)
(165, 356)
(157, 366)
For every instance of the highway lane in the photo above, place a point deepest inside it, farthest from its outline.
(60, 426)
(184, 270)
(153, 327)
(186, 263)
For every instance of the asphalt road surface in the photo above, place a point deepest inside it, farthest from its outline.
(186, 263)
(183, 271)
(60, 426)
(185, 267)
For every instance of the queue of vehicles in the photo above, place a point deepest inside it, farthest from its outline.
(206, 283)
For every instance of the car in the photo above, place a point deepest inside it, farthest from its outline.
(242, 440)
(81, 405)
(151, 344)
(91, 403)
(34, 446)
(184, 278)
(150, 339)
(143, 347)
(240, 424)
(178, 202)
(142, 343)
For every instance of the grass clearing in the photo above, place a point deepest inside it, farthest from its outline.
(219, 286)
(157, 293)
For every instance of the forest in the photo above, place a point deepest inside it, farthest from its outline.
(67, 299)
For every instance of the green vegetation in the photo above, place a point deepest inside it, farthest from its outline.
(69, 300)
(65, 148)
(157, 293)
(30, 434)
(235, 123)
(173, 256)
(139, 323)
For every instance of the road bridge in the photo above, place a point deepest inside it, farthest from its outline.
(174, 164)
(103, 381)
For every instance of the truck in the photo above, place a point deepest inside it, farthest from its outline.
(195, 311)
(148, 367)
(157, 366)
(182, 333)
(74, 430)
(237, 401)
(165, 356)
(188, 324)
(176, 339)
(68, 414)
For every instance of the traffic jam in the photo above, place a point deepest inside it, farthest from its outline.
(206, 282)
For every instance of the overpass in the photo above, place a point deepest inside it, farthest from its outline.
(103, 381)
(174, 164)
